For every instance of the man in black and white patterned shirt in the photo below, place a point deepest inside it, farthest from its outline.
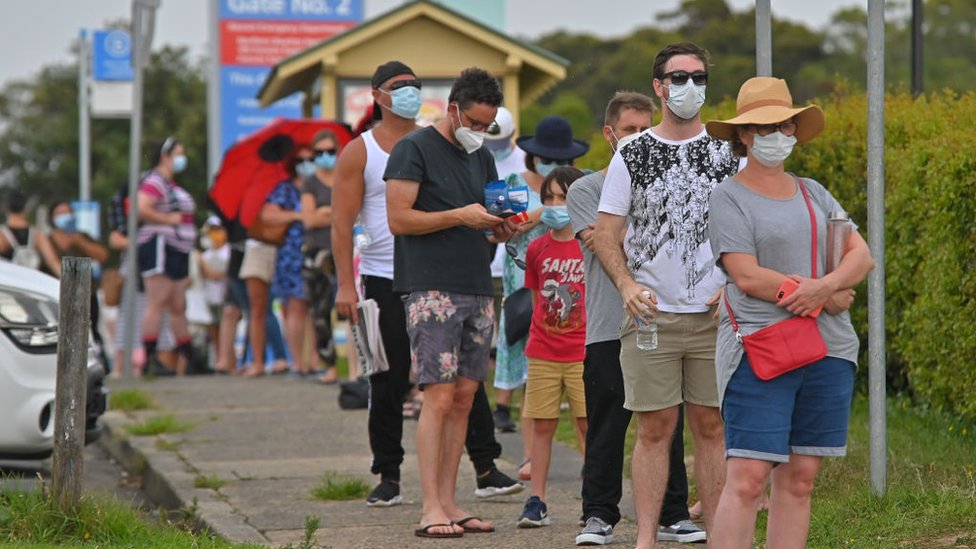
(665, 271)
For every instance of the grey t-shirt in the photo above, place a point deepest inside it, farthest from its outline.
(319, 238)
(604, 307)
(777, 233)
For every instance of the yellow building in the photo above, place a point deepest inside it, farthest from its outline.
(435, 41)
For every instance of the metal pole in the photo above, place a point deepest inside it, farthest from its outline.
(143, 14)
(918, 63)
(764, 39)
(876, 242)
(213, 96)
(84, 121)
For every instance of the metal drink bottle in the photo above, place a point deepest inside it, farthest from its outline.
(838, 231)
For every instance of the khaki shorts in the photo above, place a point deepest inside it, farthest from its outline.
(259, 262)
(681, 369)
(544, 388)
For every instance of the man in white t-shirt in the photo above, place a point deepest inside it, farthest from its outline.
(666, 274)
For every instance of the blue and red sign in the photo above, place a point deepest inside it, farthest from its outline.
(257, 34)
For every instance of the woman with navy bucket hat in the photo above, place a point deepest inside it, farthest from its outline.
(551, 146)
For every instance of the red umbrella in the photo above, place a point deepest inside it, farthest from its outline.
(253, 165)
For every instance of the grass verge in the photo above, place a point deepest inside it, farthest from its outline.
(129, 400)
(163, 423)
(31, 520)
(212, 482)
(337, 487)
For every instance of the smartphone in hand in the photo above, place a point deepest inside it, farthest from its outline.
(788, 287)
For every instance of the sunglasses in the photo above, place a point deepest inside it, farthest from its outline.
(545, 160)
(404, 83)
(700, 78)
(787, 128)
(300, 159)
(320, 152)
(513, 253)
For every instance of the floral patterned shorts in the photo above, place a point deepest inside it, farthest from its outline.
(450, 335)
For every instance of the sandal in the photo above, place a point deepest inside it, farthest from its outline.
(411, 409)
(424, 531)
(472, 529)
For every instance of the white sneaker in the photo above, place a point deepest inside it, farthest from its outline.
(682, 532)
(596, 532)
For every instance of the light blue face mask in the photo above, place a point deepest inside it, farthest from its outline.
(305, 168)
(325, 161)
(501, 154)
(406, 101)
(543, 169)
(556, 217)
(179, 163)
(65, 222)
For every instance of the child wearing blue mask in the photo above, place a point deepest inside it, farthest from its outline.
(555, 274)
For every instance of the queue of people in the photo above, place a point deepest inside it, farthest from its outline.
(654, 282)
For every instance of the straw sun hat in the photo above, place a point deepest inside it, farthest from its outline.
(765, 100)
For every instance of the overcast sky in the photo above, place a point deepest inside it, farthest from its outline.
(34, 33)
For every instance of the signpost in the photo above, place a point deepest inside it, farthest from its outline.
(251, 37)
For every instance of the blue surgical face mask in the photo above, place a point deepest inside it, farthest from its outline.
(406, 101)
(556, 217)
(65, 222)
(501, 154)
(543, 168)
(179, 163)
(325, 161)
(305, 168)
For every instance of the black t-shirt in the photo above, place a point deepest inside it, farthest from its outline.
(452, 260)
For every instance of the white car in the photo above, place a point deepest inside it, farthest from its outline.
(28, 365)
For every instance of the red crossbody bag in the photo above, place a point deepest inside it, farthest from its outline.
(788, 344)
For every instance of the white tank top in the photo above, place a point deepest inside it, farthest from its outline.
(377, 258)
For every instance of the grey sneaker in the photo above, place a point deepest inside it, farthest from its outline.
(682, 532)
(596, 532)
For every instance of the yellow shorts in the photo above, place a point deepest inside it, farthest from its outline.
(544, 388)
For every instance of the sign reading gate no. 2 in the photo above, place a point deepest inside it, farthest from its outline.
(256, 34)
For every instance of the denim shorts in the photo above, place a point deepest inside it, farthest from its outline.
(450, 335)
(802, 412)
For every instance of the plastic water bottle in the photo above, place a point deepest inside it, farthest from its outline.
(646, 331)
(360, 237)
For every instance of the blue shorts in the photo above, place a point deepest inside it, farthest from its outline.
(450, 335)
(802, 412)
(155, 257)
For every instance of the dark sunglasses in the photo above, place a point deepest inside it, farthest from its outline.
(404, 83)
(513, 253)
(300, 159)
(320, 152)
(545, 160)
(700, 78)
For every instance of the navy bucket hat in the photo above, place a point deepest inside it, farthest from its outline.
(553, 139)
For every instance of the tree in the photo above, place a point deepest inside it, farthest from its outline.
(39, 121)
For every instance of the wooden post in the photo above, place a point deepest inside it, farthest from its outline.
(74, 325)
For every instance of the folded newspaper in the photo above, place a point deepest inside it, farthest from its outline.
(366, 336)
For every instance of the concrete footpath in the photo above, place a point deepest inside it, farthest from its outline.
(271, 441)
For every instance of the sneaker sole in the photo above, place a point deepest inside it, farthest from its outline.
(493, 491)
(594, 539)
(683, 538)
(529, 523)
(395, 500)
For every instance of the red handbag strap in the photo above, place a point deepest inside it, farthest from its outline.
(813, 248)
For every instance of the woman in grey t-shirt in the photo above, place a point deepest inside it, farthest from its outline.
(760, 233)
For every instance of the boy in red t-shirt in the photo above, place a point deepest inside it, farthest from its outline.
(557, 336)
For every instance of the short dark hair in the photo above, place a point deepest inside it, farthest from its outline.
(476, 86)
(680, 48)
(158, 149)
(54, 206)
(563, 176)
(623, 100)
(16, 201)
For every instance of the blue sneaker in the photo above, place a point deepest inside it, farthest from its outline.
(534, 514)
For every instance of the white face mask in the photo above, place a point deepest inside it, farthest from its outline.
(685, 101)
(622, 141)
(466, 137)
(771, 150)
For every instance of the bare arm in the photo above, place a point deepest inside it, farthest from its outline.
(148, 214)
(401, 194)
(276, 215)
(853, 268)
(347, 201)
(117, 241)
(90, 248)
(608, 237)
(50, 257)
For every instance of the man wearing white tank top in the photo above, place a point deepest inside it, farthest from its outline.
(360, 191)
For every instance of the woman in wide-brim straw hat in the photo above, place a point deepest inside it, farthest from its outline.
(760, 233)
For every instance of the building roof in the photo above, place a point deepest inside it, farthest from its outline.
(408, 33)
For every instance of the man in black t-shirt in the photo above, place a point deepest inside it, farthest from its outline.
(435, 204)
